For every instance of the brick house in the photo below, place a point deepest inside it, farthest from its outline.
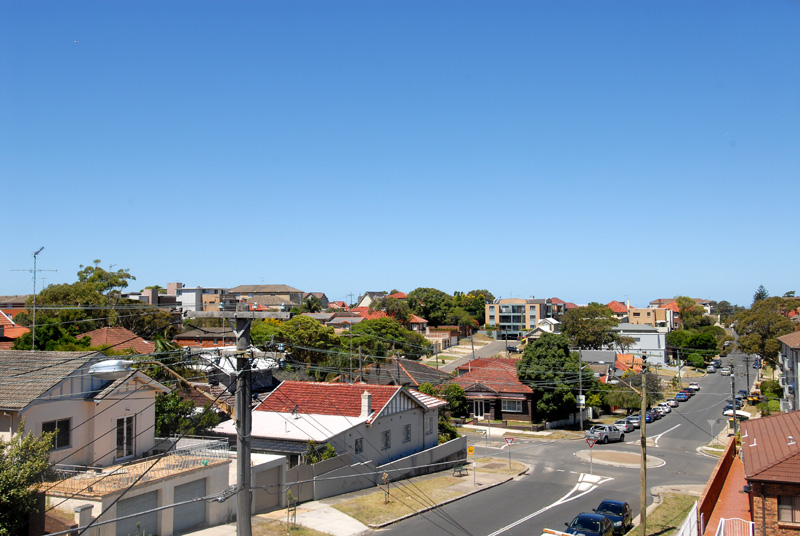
(119, 338)
(771, 456)
(493, 390)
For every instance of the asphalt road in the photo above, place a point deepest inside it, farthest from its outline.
(559, 485)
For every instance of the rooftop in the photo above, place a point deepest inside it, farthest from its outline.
(770, 450)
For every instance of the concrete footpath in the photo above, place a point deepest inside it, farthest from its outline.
(323, 517)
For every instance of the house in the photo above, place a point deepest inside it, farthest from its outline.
(398, 295)
(369, 298)
(512, 317)
(13, 305)
(290, 296)
(661, 318)
(211, 337)
(9, 331)
(620, 310)
(199, 298)
(771, 457)
(789, 362)
(405, 372)
(647, 341)
(414, 323)
(119, 338)
(375, 423)
(55, 391)
(545, 325)
(625, 362)
(493, 390)
(323, 299)
(338, 305)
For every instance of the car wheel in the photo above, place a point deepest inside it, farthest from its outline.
(605, 440)
(622, 437)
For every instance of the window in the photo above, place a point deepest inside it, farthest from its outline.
(359, 445)
(62, 429)
(406, 433)
(125, 437)
(788, 509)
(512, 406)
(428, 424)
(386, 439)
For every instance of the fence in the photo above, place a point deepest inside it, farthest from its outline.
(689, 526)
(714, 487)
(734, 527)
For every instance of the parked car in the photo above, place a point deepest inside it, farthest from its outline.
(604, 433)
(672, 402)
(619, 512)
(634, 420)
(717, 363)
(689, 392)
(661, 412)
(740, 414)
(694, 386)
(624, 425)
(681, 397)
(725, 371)
(665, 407)
(711, 369)
(590, 525)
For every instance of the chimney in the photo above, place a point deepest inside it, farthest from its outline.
(366, 404)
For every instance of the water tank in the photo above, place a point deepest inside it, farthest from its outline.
(111, 369)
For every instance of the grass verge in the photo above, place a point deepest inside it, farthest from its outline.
(263, 527)
(669, 515)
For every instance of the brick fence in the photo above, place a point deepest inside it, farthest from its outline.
(711, 493)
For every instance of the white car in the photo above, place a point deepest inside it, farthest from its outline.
(665, 406)
(671, 402)
(740, 414)
(603, 433)
(661, 411)
(694, 386)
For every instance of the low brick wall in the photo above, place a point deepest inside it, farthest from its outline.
(711, 493)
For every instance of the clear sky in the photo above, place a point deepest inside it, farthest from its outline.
(580, 149)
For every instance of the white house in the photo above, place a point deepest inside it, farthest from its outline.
(377, 423)
(648, 342)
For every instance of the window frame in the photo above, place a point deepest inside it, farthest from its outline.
(128, 436)
(386, 439)
(507, 403)
(406, 433)
(792, 508)
(60, 432)
(358, 447)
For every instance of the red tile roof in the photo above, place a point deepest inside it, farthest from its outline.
(628, 361)
(398, 296)
(617, 307)
(557, 301)
(492, 362)
(500, 378)
(570, 305)
(771, 448)
(320, 398)
(119, 339)
(672, 306)
(366, 314)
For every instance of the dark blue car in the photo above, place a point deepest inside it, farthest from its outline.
(590, 525)
(620, 514)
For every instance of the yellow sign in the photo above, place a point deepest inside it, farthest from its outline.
(471, 450)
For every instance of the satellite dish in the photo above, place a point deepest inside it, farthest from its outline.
(111, 369)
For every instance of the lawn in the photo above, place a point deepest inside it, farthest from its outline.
(263, 527)
(669, 515)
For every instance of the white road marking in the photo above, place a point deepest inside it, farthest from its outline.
(657, 437)
(586, 484)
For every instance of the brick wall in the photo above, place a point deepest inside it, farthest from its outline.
(711, 493)
(764, 498)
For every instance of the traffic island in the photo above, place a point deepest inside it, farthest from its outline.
(617, 458)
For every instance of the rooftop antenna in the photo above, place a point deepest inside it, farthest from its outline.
(33, 322)
(791, 441)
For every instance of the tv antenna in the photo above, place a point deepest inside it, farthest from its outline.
(33, 322)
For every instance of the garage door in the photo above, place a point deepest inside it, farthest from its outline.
(188, 515)
(145, 524)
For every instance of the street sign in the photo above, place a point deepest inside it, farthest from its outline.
(591, 442)
(581, 401)
(509, 440)
(471, 450)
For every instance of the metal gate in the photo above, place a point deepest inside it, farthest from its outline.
(191, 514)
(143, 525)
(734, 527)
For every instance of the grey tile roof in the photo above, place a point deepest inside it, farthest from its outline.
(26, 375)
(263, 289)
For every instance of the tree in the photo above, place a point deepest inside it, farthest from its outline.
(311, 304)
(397, 309)
(548, 365)
(760, 326)
(589, 327)
(474, 303)
(309, 339)
(264, 330)
(624, 343)
(175, 416)
(761, 293)
(24, 462)
(431, 304)
(691, 313)
(385, 337)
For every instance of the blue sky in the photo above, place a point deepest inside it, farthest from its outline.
(580, 149)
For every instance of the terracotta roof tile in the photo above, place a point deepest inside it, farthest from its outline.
(398, 296)
(507, 363)
(617, 307)
(557, 301)
(771, 448)
(320, 398)
(119, 339)
(792, 340)
(497, 378)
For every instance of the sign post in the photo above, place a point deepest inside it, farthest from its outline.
(509, 442)
(591, 443)
(471, 452)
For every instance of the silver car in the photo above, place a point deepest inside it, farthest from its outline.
(604, 433)
(625, 425)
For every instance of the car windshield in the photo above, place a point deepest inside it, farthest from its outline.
(610, 508)
(585, 523)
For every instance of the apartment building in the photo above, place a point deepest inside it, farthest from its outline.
(511, 317)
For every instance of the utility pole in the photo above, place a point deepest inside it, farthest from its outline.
(240, 324)
(734, 406)
(747, 370)
(33, 321)
(580, 387)
(360, 366)
(643, 440)
(350, 370)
